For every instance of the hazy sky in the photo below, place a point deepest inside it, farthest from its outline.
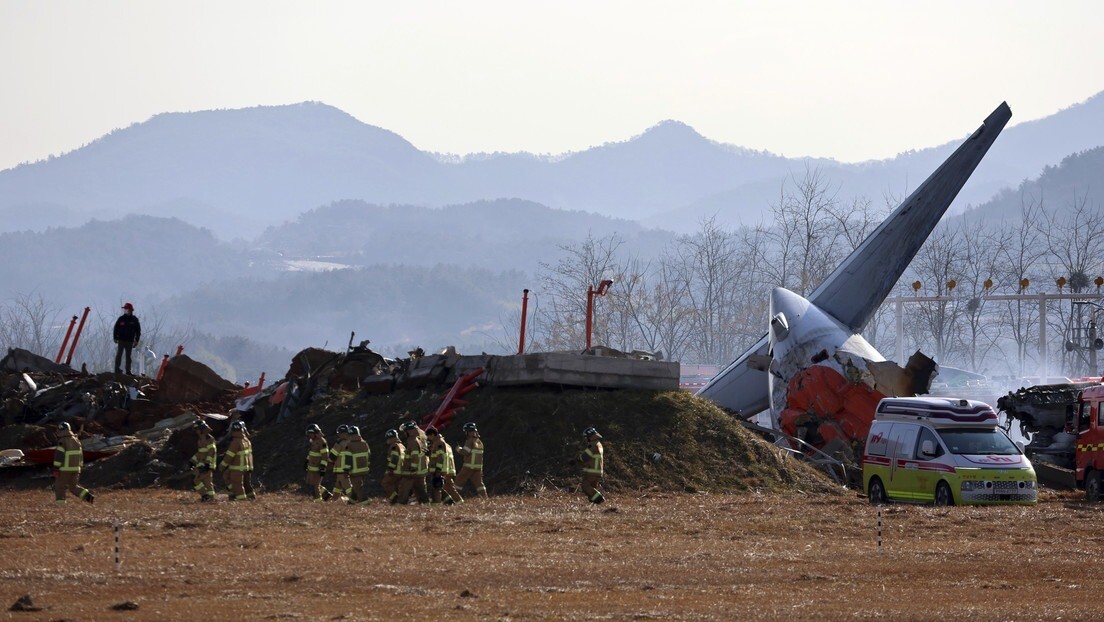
(851, 80)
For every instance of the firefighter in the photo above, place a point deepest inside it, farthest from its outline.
(339, 465)
(237, 463)
(68, 462)
(318, 458)
(415, 466)
(442, 468)
(593, 466)
(204, 461)
(396, 454)
(472, 471)
(359, 456)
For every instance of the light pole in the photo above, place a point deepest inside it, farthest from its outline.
(1094, 343)
(591, 293)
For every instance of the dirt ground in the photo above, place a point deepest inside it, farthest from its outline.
(641, 556)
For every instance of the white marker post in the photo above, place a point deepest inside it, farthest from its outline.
(118, 559)
(879, 530)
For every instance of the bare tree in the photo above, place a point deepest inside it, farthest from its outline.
(564, 285)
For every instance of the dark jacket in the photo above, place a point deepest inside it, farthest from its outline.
(127, 329)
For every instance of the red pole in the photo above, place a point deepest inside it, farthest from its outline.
(179, 350)
(76, 337)
(591, 293)
(161, 370)
(524, 309)
(590, 314)
(260, 383)
(65, 341)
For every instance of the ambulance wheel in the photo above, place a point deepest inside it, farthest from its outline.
(943, 494)
(1092, 486)
(875, 491)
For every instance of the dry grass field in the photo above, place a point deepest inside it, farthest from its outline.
(642, 556)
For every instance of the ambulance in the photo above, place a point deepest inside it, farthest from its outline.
(946, 451)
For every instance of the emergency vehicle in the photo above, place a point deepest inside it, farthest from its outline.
(946, 451)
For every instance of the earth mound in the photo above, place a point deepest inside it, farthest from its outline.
(654, 440)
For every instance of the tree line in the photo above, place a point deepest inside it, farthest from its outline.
(705, 298)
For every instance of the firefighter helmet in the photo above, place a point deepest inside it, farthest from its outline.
(201, 425)
(353, 430)
(342, 429)
(432, 431)
(64, 427)
(314, 429)
(591, 431)
(391, 434)
(470, 427)
(237, 426)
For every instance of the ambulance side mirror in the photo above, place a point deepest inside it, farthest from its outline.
(927, 449)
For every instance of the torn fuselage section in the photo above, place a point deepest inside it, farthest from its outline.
(826, 381)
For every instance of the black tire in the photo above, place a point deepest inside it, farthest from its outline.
(875, 491)
(943, 494)
(1092, 486)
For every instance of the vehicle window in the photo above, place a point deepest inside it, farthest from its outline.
(1085, 418)
(978, 441)
(904, 437)
(928, 435)
(879, 441)
(1099, 415)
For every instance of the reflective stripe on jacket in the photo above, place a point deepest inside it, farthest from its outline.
(395, 457)
(359, 455)
(318, 458)
(239, 455)
(473, 454)
(594, 461)
(206, 453)
(336, 454)
(68, 455)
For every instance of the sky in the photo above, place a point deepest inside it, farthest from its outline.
(850, 80)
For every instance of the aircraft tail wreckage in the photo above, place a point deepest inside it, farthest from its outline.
(813, 370)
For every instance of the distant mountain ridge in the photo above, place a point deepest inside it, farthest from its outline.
(239, 171)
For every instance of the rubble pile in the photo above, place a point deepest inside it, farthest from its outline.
(655, 440)
(109, 413)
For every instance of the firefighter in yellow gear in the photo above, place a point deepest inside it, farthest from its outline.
(68, 462)
(442, 468)
(415, 464)
(359, 457)
(204, 461)
(237, 463)
(472, 471)
(396, 454)
(593, 466)
(339, 464)
(318, 458)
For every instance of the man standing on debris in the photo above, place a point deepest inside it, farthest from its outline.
(238, 460)
(359, 457)
(472, 471)
(338, 456)
(318, 458)
(442, 468)
(204, 461)
(128, 330)
(68, 462)
(396, 454)
(593, 466)
(416, 465)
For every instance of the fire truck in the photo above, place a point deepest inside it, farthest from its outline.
(1065, 423)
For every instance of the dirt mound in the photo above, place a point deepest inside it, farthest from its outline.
(654, 440)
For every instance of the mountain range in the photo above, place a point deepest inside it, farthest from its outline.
(238, 172)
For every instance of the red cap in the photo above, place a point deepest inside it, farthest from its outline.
(128, 306)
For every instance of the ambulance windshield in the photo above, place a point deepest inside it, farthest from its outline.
(974, 441)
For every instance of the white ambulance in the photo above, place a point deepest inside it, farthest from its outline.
(946, 451)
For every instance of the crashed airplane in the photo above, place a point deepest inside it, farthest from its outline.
(813, 370)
